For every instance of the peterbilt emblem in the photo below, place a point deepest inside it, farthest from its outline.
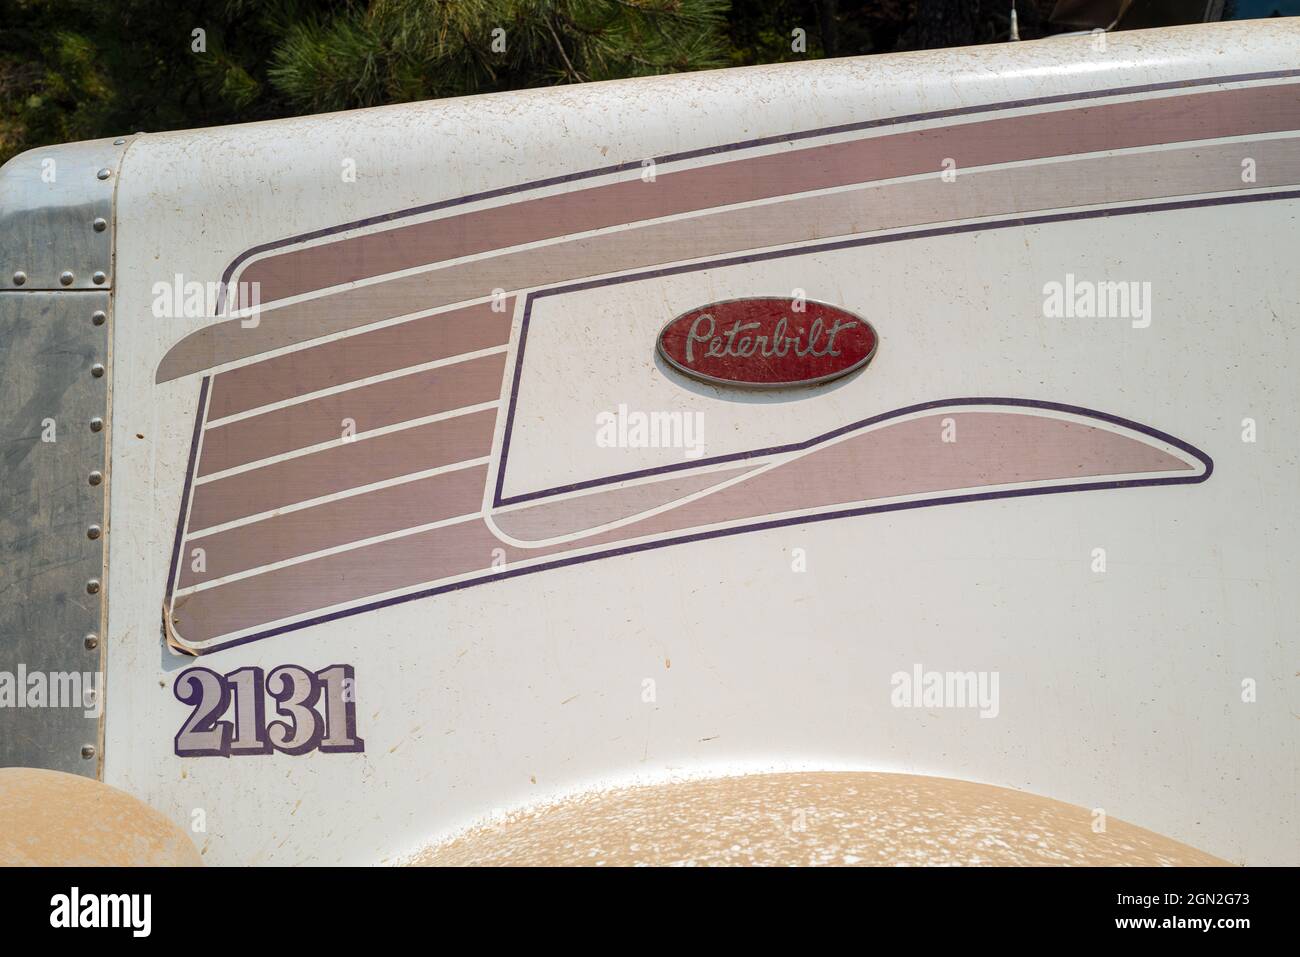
(767, 343)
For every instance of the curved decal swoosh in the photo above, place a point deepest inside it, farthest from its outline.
(945, 452)
(298, 526)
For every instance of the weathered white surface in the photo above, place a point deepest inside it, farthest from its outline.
(1119, 691)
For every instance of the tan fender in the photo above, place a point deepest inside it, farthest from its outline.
(819, 818)
(52, 819)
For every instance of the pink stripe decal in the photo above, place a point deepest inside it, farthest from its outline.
(362, 409)
(334, 523)
(903, 458)
(342, 467)
(991, 448)
(366, 354)
(1201, 115)
(567, 516)
(1064, 185)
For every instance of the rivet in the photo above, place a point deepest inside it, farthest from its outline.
(87, 751)
(98, 317)
(93, 532)
(98, 278)
(92, 641)
(92, 587)
(104, 173)
(95, 478)
(20, 277)
(97, 371)
(100, 224)
(66, 277)
(96, 424)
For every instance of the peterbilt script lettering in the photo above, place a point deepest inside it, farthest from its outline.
(702, 330)
(767, 343)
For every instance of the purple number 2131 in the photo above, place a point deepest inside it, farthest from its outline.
(312, 711)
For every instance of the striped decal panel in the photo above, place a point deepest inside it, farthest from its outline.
(1210, 115)
(343, 458)
(340, 521)
(1014, 452)
(449, 336)
(445, 389)
(1165, 120)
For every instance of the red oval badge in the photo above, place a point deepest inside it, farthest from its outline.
(767, 343)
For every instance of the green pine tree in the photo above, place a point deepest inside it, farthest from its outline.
(82, 69)
(390, 51)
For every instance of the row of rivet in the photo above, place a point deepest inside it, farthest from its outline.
(98, 224)
(94, 531)
(66, 278)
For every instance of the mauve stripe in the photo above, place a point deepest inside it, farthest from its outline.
(373, 406)
(347, 576)
(357, 357)
(1201, 115)
(1065, 184)
(338, 522)
(992, 448)
(549, 519)
(342, 467)
(910, 457)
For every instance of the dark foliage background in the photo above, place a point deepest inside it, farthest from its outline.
(80, 69)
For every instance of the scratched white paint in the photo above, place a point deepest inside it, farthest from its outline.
(1119, 691)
